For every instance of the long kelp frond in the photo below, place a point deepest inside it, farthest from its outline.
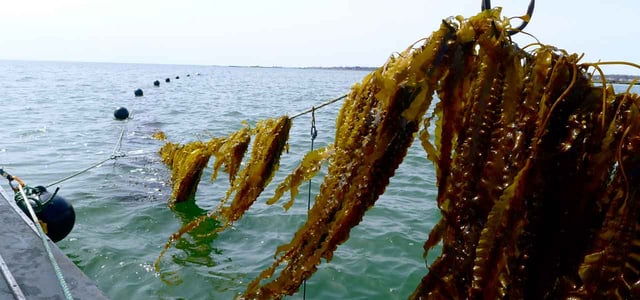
(308, 168)
(374, 129)
(271, 136)
(230, 154)
(187, 163)
(270, 139)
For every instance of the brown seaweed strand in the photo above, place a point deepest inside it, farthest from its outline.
(308, 168)
(537, 69)
(270, 141)
(461, 206)
(379, 137)
(188, 162)
(491, 254)
(451, 94)
(542, 181)
(605, 271)
(231, 153)
(271, 136)
(557, 208)
(457, 208)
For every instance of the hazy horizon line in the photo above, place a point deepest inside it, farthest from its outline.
(188, 64)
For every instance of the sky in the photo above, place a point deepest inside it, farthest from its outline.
(291, 33)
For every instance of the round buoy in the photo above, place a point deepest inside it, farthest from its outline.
(138, 93)
(156, 83)
(121, 113)
(59, 216)
(167, 80)
(56, 215)
(177, 77)
(188, 75)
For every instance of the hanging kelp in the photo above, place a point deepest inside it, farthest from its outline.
(271, 137)
(308, 168)
(186, 163)
(270, 141)
(229, 155)
(537, 174)
(538, 170)
(374, 129)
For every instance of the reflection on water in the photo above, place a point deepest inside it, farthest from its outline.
(198, 246)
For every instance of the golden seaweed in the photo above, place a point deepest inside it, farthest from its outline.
(538, 170)
(159, 135)
(271, 137)
(270, 140)
(187, 163)
(527, 178)
(373, 131)
(308, 168)
(229, 155)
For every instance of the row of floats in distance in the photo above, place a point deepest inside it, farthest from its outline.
(121, 113)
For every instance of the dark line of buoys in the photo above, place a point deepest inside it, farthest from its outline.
(122, 113)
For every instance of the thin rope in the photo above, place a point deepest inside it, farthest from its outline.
(318, 107)
(114, 155)
(11, 281)
(116, 148)
(54, 263)
(314, 134)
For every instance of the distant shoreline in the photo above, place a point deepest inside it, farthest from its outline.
(617, 82)
(611, 78)
(617, 79)
(354, 68)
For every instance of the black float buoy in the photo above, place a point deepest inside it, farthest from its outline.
(121, 113)
(167, 80)
(138, 93)
(177, 77)
(54, 212)
(188, 75)
(156, 83)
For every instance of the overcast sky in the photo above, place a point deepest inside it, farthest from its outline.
(290, 32)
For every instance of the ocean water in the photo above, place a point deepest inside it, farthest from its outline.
(58, 120)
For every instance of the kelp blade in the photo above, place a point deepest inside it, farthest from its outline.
(374, 128)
